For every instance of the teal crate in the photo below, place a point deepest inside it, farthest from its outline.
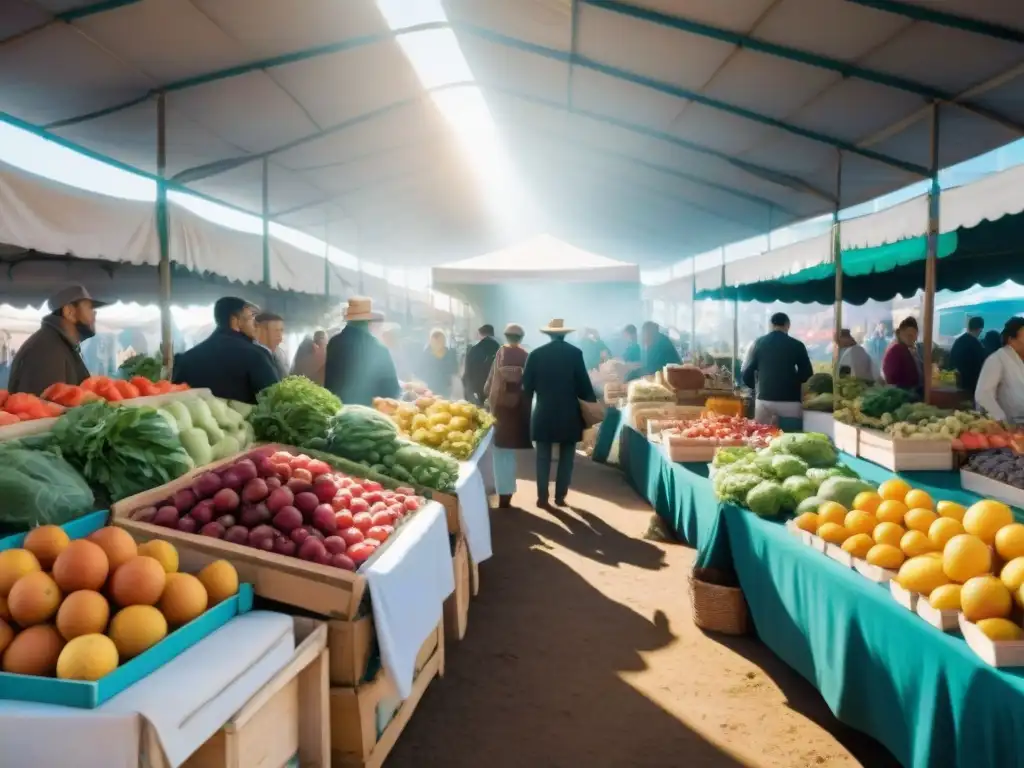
(89, 695)
(76, 529)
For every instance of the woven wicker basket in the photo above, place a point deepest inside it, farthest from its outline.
(717, 608)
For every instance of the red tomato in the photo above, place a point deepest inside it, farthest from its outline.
(381, 518)
(352, 536)
(340, 502)
(280, 456)
(302, 474)
(388, 529)
(345, 481)
(344, 519)
(371, 543)
(411, 505)
(399, 497)
(372, 496)
(356, 489)
(372, 485)
(405, 490)
(358, 505)
(359, 552)
(363, 521)
(377, 532)
(378, 506)
(284, 471)
(317, 467)
(301, 461)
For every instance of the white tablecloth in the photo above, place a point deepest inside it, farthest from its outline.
(472, 491)
(409, 582)
(186, 701)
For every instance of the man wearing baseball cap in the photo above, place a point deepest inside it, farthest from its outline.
(53, 355)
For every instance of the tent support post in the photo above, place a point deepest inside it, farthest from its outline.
(928, 308)
(327, 260)
(163, 236)
(693, 310)
(837, 259)
(266, 227)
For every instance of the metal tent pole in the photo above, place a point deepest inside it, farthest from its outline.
(163, 235)
(266, 226)
(928, 309)
(693, 310)
(327, 260)
(837, 260)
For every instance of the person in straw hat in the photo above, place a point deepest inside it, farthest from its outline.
(359, 367)
(556, 376)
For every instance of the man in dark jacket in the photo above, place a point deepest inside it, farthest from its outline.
(556, 376)
(479, 360)
(359, 367)
(968, 354)
(52, 355)
(776, 367)
(658, 351)
(229, 362)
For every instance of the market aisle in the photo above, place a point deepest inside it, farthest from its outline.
(581, 652)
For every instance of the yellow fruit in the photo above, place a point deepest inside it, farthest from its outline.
(831, 512)
(163, 552)
(808, 521)
(885, 556)
(1012, 575)
(88, 657)
(891, 511)
(5, 612)
(867, 501)
(136, 629)
(1000, 630)
(894, 489)
(951, 509)
(966, 556)
(919, 519)
(946, 597)
(985, 597)
(858, 545)
(34, 599)
(918, 499)
(858, 521)
(184, 599)
(1009, 541)
(46, 542)
(922, 575)
(15, 563)
(985, 518)
(888, 533)
(6, 635)
(944, 529)
(833, 533)
(220, 579)
(915, 543)
(83, 613)
(34, 651)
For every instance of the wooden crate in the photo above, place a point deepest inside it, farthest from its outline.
(356, 739)
(820, 421)
(456, 607)
(901, 454)
(846, 437)
(350, 646)
(688, 452)
(287, 717)
(991, 489)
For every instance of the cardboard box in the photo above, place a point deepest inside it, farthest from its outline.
(367, 720)
(456, 607)
(350, 644)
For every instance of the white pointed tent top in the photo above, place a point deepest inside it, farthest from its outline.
(541, 258)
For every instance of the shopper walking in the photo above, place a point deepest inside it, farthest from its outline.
(478, 366)
(556, 376)
(511, 410)
(775, 369)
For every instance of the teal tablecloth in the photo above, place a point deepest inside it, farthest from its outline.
(607, 434)
(881, 669)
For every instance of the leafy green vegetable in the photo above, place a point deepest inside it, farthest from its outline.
(142, 365)
(730, 455)
(768, 499)
(734, 485)
(843, 490)
(123, 450)
(799, 488)
(293, 411)
(38, 487)
(784, 466)
(814, 448)
(820, 383)
(881, 400)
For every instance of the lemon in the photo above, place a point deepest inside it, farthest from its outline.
(888, 533)
(985, 518)
(833, 533)
(915, 543)
(951, 509)
(808, 521)
(87, 657)
(894, 489)
(985, 597)
(922, 575)
(867, 501)
(966, 556)
(858, 521)
(944, 529)
(946, 597)
(885, 556)
(858, 545)
(1012, 575)
(919, 519)
(831, 512)
(1009, 541)
(891, 511)
(918, 498)
(1000, 630)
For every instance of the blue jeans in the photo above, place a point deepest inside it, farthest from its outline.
(563, 477)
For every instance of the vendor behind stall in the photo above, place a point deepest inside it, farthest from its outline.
(359, 367)
(53, 355)
(968, 354)
(658, 351)
(1000, 391)
(229, 362)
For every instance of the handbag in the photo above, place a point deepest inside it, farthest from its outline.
(506, 383)
(592, 413)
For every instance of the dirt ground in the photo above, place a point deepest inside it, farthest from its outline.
(581, 652)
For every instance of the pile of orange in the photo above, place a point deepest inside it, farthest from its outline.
(77, 609)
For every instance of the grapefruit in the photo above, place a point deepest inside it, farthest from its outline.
(1012, 575)
(808, 522)
(985, 597)
(951, 509)
(163, 552)
(136, 629)
(88, 657)
(915, 543)
(139, 581)
(82, 565)
(946, 597)
(833, 533)
(985, 518)
(888, 533)
(1000, 630)
(15, 563)
(831, 512)
(117, 543)
(919, 519)
(867, 501)
(894, 489)
(858, 545)
(83, 613)
(858, 521)
(918, 499)
(34, 599)
(885, 556)
(220, 579)
(891, 511)
(966, 556)
(46, 542)
(942, 530)
(1009, 541)
(34, 651)
(922, 575)
(184, 599)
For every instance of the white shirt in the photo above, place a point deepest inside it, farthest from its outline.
(859, 362)
(1000, 391)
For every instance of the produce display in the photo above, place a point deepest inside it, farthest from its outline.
(76, 610)
(39, 487)
(944, 378)
(288, 504)
(208, 427)
(145, 366)
(20, 407)
(819, 395)
(1002, 465)
(368, 437)
(721, 430)
(794, 472)
(111, 390)
(293, 411)
(453, 428)
(414, 390)
(642, 391)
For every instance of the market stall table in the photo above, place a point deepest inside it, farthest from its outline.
(471, 489)
(608, 434)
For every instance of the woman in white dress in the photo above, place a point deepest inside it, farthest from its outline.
(1000, 391)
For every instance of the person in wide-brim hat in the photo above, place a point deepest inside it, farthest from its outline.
(557, 327)
(359, 367)
(360, 308)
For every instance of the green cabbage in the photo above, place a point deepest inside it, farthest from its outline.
(730, 455)
(39, 488)
(734, 486)
(799, 487)
(814, 448)
(768, 499)
(787, 466)
(843, 490)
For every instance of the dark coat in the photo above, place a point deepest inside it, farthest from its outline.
(776, 368)
(512, 429)
(660, 353)
(632, 353)
(437, 373)
(479, 360)
(359, 367)
(229, 364)
(48, 356)
(556, 376)
(966, 357)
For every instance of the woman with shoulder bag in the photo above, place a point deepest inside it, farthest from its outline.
(511, 410)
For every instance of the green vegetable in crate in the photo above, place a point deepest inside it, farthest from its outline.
(141, 365)
(820, 383)
(38, 487)
(294, 411)
(181, 414)
(824, 402)
(123, 450)
(882, 400)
